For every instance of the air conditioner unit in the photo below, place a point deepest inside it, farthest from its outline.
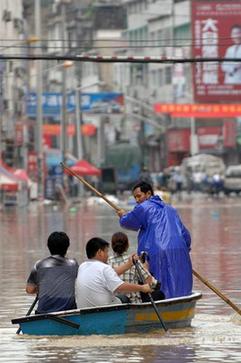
(7, 16)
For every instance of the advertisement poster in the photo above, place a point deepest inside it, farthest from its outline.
(97, 103)
(216, 30)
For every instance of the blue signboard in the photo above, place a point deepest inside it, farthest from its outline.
(101, 102)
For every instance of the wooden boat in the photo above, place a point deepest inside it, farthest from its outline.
(114, 319)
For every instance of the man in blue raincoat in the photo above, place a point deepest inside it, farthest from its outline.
(164, 238)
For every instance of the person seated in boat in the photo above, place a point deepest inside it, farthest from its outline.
(97, 283)
(53, 278)
(120, 246)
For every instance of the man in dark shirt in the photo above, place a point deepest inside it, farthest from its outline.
(53, 278)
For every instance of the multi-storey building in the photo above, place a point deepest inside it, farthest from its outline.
(155, 28)
(12, 81)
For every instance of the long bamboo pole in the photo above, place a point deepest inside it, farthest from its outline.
(217, 291)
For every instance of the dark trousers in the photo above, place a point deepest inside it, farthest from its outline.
(124, 299)
(156, 295)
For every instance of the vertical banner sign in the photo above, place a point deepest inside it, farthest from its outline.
(216, 29)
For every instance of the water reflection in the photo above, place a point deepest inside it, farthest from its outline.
(216, 250)
(145, 354)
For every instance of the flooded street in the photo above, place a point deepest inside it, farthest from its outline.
(215, 335)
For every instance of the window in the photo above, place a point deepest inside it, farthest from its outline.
(160, 77)
(168, 75)
(154, 78)
(182, 34)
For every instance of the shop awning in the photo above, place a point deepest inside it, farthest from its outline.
(83, 167)
(7, 180)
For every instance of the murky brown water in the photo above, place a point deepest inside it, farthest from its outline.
(215, 335)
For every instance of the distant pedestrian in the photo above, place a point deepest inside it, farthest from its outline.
(216, 184)
(145, 175)
(178, 179)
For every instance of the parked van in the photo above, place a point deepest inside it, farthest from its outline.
(232, 179)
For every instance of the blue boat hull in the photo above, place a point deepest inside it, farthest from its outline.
(112, 320)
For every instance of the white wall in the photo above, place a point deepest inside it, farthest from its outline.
(9, 40)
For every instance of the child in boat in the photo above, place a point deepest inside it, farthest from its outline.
(120, 245)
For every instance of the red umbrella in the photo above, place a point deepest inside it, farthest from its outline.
(83, 167)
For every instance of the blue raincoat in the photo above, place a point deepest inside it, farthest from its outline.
(166, 240)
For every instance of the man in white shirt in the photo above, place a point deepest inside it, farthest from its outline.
(233, 69)
(97, 283)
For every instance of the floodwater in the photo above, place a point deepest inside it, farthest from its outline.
(215, 335)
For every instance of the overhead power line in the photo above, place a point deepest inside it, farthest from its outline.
(118, 59)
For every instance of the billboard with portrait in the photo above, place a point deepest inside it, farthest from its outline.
(216, 29)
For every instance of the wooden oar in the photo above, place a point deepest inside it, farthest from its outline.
(141, 278)
(62, 321)
(29, 311)
(218, 292)
(73, 173)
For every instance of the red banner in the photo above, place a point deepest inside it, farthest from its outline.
(199, 110)
(52, 129)
(55, 130)
(216, 30)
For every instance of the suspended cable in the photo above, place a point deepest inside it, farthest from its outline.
(118, 59)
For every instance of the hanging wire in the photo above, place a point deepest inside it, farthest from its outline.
(116, 59)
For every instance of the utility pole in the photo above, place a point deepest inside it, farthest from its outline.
(63, 116)
(78, 120)
(39, 120)
(63, 113)
(78, 114)
(101, 141)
